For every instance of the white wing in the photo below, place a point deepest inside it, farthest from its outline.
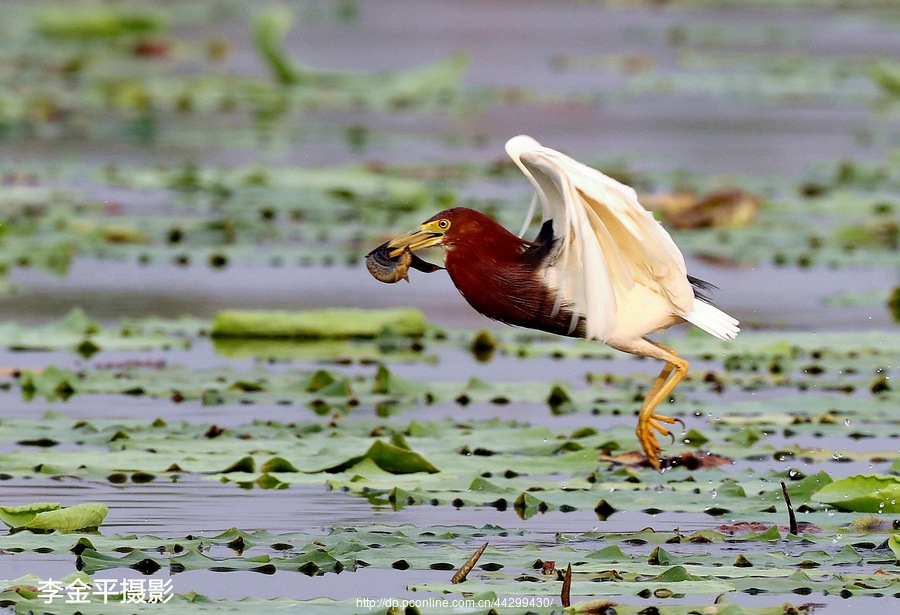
(609, 242)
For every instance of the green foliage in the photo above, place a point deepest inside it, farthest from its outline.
(519, 470)
(894, 304)
(269, 29)
(894, 545)
(49, 517)
(165, 123)
(78, 333)
(86, 23)
(685, 566)
(863, 493)
(332, 323)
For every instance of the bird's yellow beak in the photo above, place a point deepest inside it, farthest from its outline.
(426, 236)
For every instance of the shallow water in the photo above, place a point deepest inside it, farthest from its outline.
(761, 297)
(542, 49)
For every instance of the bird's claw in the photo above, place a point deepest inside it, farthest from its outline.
(655, 423)
(648, 439)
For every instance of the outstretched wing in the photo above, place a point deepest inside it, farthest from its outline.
(608, 241)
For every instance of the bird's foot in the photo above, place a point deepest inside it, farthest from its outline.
(646, 426)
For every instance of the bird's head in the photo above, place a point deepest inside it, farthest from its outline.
(444, 229)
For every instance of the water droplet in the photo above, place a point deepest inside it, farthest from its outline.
(713, 493)
(846, 422)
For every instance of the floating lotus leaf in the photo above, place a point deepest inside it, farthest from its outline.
(537, 438)
(333, 323)
(49, 517)
(390, 458)
(95, 22)
(863, 493)
(77, 332)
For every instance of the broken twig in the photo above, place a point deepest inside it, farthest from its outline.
(460, 575)
(567, 587)
(791, 518)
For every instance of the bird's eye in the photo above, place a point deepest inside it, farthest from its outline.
(443, 224)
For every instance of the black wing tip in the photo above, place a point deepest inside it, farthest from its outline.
(701, 287)
(545, 235)
(538, 250)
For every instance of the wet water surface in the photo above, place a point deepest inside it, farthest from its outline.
(594, 81)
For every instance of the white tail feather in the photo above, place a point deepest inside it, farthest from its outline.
(713, 320)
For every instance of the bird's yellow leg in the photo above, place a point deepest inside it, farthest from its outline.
(648, 420)
(663, 376)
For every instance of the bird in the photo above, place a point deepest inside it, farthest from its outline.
(601, 268)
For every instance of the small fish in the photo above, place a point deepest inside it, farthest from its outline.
(390, 270)
(386, 269)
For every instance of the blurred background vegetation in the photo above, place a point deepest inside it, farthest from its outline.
(162, 163)
(218, 133)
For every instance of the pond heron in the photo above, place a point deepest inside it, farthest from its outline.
(601, 268)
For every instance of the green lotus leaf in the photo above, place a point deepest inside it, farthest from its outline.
(51, 516)
(677, 574)
(333, 323)
(398, 460)
(21, 516)
(863, 493)
(894, 544)
(96, 22)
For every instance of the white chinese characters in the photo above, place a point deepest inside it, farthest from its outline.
(126, 591)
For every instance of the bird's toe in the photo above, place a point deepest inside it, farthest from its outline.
(671, 420)
(649, 443)
(647, 437)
